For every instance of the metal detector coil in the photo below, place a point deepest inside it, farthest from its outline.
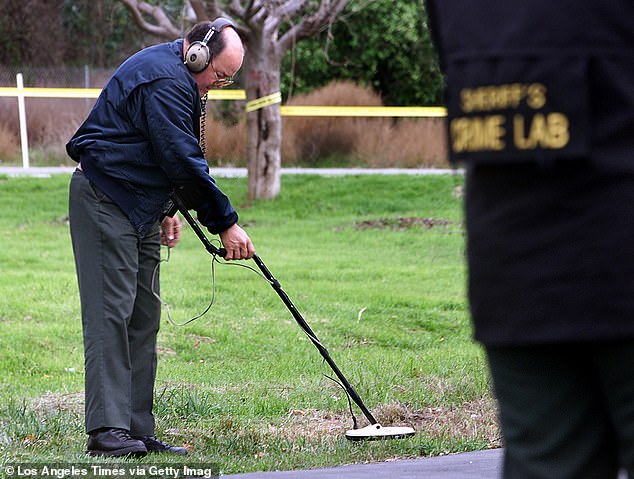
(374, 430)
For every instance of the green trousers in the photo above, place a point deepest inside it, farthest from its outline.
(566, 410)
(120, 315)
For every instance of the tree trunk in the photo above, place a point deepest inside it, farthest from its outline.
(264, 126)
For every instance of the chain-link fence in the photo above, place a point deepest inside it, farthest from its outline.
(60, 77)
(49, 121)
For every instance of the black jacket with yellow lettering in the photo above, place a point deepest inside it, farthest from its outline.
(540, 97)
(538, 79)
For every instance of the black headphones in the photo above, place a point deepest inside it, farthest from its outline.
(198, 56)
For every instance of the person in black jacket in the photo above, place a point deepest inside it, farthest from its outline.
(540, 97)
(139, 143)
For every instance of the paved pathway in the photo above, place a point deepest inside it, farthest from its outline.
(468, 465)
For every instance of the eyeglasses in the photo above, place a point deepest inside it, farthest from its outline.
(220, 82)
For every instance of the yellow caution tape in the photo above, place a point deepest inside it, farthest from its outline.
(226, 95)
(272, 99)
(411, 111)
(267, 100)
(94, 93)
(51, 92)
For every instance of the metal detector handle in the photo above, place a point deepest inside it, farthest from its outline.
(182, 207)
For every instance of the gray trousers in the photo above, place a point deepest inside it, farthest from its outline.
(567, 410)
(120, 315)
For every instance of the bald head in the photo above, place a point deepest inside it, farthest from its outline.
(232, 54)
(226, 53)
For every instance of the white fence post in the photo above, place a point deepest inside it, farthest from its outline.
(24, 141)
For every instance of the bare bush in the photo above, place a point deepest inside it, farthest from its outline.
(226, 144)
(309, 139)
(370, 141)
(9, 143)
(405, 143)
(50, 124)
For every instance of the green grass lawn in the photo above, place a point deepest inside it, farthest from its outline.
(374, 263)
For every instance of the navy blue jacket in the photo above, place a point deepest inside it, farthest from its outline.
(141, 140)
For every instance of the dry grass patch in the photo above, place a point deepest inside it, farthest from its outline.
(57, 402)
(402, 223)
(477, 418)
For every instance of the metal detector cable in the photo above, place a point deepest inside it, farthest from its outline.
(338, 383)
(203, 125)
(166, 305)
(214, 260)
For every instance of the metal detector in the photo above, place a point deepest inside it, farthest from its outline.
(374, 430)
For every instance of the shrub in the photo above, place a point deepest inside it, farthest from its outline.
(405, 143)
(370, 141)
(226, 143)
(307, 140)
(9, 144)
(50, 124)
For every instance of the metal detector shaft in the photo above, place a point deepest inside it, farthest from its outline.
(180, 204)
(322, 350)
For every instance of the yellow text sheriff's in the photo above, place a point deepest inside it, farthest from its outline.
(491, 131)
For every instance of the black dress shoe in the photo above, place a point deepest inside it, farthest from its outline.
(154, 444)
(114, 442)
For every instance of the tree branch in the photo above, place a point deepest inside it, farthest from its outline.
(163, 28)
(247, 9)
(291, 8)
(206, 11)
(257, 13)
(236, 9)
(200, 10)
(188, 16)
(214, 10)
(310, 24)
